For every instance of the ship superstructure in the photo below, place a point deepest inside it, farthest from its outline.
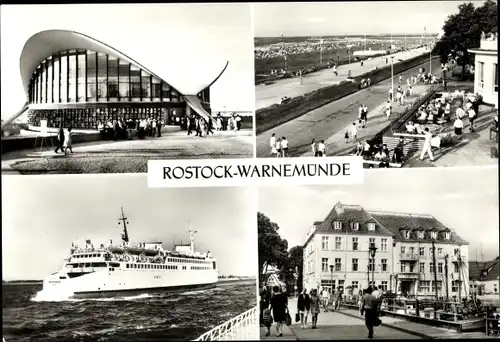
(111, 269)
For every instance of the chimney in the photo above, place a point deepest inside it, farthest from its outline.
(339, 208)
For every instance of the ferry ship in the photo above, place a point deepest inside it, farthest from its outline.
(116, 270)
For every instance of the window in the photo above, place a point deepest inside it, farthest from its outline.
(371, 226)
(135, 82)
(454, 285)
(422, 267)
(324, 264)
(440, 251)
(403, 249)
(81, 70)
(341, 284)
(72, 78)
(355, 265)
(123, 80)
(146, 86)
(420, 234)
(91, 76)
(447, 235)
(337, 225)
(384, 265)
(324, 243)
(431, 267)
(403, 268)
(384, 285)
(43, 79)
(480, 74)
(113, 89)
(355, 225)
(64, 78)
(424, 286)
(440, 267)
(354, 243)
(156, 89)
(495, 287)
(383, 245)
(422, 251)
(371, 265)
(433, 235)
(456, 252)
(165, 92)
(49, 80)
(495, 78)
(338, 264)
(455, 268)
(355, 286)
(371, 242)
(338, 243)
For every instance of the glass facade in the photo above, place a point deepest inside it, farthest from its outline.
(75, 76)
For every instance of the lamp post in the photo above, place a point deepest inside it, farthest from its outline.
(430, 59)
(321, 52)
(392, 78)
(331, 279)
(373, 250)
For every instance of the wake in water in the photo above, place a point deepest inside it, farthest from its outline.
(42, 296)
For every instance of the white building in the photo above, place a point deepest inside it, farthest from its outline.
(413, 273)
(336, 253)
(486, 68)
(484, 277)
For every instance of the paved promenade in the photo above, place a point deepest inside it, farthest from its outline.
(266, 95)
(347, 324)
(330, 121)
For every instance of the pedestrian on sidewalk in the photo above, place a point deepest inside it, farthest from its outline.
(458, 125)
(315, 303)
(427, 145)
(68, 141)
(279, 308)
(314, 148)
(364, 116)
(360, 300)
(346, 136)
(325, 298)
(60, 140)
(391, 94)
(388, 109)
(369, 309)
(336, 298)
(303, 307)
(472, 117)
(354, 131)
(322, 149)
(267, 320)
(263, 305)
(272, 143)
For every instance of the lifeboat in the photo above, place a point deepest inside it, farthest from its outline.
(134, 251)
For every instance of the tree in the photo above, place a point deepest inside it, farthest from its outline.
(273, 250)
(463, 30)
(291, 273)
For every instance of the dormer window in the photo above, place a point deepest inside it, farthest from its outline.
(371, 226)
(447, 235)
(433, 235)
(355, 226)
(337, 225)
(406, 234)
(420, 234)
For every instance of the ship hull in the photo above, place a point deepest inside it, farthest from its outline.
(137, 292)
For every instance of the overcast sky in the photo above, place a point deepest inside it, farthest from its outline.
(465, 199)
(198, 38)
(322, 19)
(43, 215)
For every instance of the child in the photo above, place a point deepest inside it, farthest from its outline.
(346, 136)
(267, 320)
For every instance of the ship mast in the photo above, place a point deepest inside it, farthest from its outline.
(191, 237)
(125, 232)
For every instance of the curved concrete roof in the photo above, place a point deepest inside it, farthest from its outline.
(46, 43)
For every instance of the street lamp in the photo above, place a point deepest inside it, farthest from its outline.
(373, 250)
(331, 279)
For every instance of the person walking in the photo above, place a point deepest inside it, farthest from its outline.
(315, 304)
(458, 125)
(279, 308)
(303, 307)
(314, 148)
(284, 147)
(361, 293)
(322, 149)
(336, 298)
(369, 309)
(472, 117)
(272, 143)
(67, 141)
(388, 109)
(427, 148)
(60, 140)
(354, 131)
(325, 298)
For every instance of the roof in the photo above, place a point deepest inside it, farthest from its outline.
(398, 222)
(484, 270)
(46, 43)
(346, 214)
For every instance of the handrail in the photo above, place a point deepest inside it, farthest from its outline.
(242, 327)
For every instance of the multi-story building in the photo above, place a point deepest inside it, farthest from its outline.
(484, 277)
(486, 68)
(415, 236)
(336, 253)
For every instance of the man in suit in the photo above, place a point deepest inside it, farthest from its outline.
(60, 139)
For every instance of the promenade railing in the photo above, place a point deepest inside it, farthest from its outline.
(242, 327)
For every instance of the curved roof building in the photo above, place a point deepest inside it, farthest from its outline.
(72, 79)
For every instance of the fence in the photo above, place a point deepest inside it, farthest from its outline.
(241, 327)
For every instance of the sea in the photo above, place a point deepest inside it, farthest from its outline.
(182, 315)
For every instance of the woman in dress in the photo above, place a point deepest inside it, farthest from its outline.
(315, 304)
(67, 141)
(314, 148)
(279, 308)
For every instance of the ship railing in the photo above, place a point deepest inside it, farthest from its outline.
(241, 327)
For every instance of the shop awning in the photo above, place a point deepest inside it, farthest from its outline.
(14, 117)
(195, 104)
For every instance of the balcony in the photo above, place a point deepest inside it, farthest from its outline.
(408, 276)
(455, 258)
(408, 257)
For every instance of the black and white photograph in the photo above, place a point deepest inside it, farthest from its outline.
(103, 88)
(400, 83)
(389, 259)
(107, 259)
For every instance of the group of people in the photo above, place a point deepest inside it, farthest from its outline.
(274, 308)
(121, 129)
(63, 140)
(376, 151)
(279, 146)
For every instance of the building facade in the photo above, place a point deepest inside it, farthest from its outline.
(415, 236)
(486, 68)
(72, 79)
(484, 277)
(336, 253)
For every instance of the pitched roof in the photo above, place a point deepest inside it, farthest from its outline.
(415, 222)
(350, 213)
(484, 270)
